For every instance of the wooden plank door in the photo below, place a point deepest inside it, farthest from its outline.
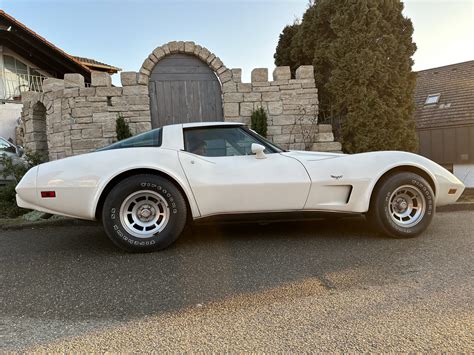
(184, 89)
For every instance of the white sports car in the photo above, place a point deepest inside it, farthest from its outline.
(146, 188)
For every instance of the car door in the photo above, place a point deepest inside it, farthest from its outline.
(226, 177)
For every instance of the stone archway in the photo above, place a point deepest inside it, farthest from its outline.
(185, 84)
(39, 133)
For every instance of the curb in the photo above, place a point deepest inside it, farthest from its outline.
(460, 206)
(47, 223)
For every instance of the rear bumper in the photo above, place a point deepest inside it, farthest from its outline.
(447, 185)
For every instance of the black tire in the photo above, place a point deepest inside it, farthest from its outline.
(387, 205)
(123, 214)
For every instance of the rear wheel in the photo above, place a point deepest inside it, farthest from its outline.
(144, 213)
(402, 205)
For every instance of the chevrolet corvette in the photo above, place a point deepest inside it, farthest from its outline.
(147, 188)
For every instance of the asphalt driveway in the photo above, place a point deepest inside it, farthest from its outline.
(292, 286)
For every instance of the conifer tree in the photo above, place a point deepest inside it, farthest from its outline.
(122, 128)
(363, 69)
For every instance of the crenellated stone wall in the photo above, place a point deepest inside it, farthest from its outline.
(68, 118)
(81, 119)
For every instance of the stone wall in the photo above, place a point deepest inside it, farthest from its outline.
(81, 119)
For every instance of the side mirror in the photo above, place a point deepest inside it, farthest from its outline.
(258, 149)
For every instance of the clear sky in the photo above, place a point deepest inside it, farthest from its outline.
(243, 33)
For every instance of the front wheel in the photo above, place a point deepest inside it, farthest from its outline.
(144, 213)
(402, 206)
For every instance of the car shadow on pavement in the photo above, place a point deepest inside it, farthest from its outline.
(75, 274)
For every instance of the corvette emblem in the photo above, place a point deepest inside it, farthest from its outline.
(337, 177)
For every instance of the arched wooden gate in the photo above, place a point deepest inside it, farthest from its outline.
(184, 89)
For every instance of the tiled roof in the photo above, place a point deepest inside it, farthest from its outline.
(94, 64)
(455, 107)
(42, 39)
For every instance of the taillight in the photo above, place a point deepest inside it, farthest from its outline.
(48, 194)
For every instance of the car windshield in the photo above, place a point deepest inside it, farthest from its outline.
(147, 139)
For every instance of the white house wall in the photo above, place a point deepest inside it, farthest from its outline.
(9, 114)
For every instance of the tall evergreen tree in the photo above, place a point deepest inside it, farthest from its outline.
(362, 57)
(282, 54)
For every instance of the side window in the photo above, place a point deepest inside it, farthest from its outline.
(219, 141)
(5, 147)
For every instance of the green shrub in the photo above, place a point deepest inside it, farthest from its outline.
(259, 121)
(8, 206)
(122, 128)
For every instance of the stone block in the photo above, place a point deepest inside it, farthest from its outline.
(148, 64)
(89, 144)
(282, 138)
(87, 92)
(159, 53)
(141, 127)
(135, 90)
(197, 49)
(279, 82)
(259, 75)
(211, 57)
(237, 75)
(229, 86)
(271, 96)
(142, 79)
(324, 137)
(257, 105)
(145, 71)
(275, 108)
(282, 120)
(79, 120)
(301, 81)
(173, 46)
(204, 53)
(231, 109)
(244, 87)
(100, 79)
(52, 84)
(101, 117)
(216, 64)
(265, 88)
(91, 133)
(281, 73)
(246, 108)
(30, 96)
(189, 47)
(70, 92)
(128, 78)
(56, 139)
(325, 128)
(153, 58)
(274, 130)
(327, 147)
(81, 112)
(226, 76)
(233, 97)
(305, 72)
(166, 49)
(181, 46)
(109, 91)
(221, 70)
(73, 81)
(253, 96)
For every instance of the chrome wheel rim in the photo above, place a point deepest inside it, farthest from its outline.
(407, 206)
(144, 213)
